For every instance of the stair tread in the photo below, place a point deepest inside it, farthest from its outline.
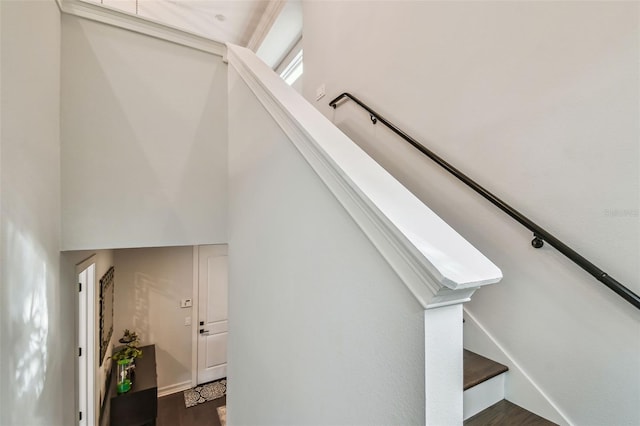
(478, 369)
(506, 413)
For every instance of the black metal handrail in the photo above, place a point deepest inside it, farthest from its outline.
(539, 234)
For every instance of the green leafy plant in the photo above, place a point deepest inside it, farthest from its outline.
(130, 349)
(126, 352)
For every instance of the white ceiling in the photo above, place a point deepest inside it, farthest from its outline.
(270, 27)
(231, 21)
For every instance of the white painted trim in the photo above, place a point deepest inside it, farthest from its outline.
(175, 388)
(267, 19)
(294, 69)
(137, 24)
(433, 260)
(443, 370)
(195, 319)
(548, 409)
(288, 58)
(89, 355)
(84, 394)
(483, 395)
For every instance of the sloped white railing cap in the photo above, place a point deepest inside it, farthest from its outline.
(438, 265)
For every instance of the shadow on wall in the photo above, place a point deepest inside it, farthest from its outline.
(147, 292)
(155, 314)
(28, 341)
(142, 284)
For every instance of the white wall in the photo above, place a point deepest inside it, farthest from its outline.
(143, 140)
(537, 101)
(36, 308)
(322, 331)
(297, 85)
(150, 283)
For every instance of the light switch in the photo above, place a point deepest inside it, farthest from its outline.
(187, 320)
(186, 303)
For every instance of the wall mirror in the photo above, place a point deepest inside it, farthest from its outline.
(106, 311)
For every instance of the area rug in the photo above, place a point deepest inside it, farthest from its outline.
(222, 415)
(204, 393)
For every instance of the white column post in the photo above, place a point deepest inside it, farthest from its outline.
(443, 365)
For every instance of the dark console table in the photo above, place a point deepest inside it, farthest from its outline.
(139, 406)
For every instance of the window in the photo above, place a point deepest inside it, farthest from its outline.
(293, 71)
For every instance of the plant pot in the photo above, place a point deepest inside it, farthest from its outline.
(124, 375)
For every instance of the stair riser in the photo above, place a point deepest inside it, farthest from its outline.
(483, 395)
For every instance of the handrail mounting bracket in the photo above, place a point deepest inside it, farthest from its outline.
(537, 241)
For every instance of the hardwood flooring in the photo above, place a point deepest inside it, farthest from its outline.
(505, 413)
(477, 369)
(173, 412)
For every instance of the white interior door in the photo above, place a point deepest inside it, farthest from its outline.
(212, 312)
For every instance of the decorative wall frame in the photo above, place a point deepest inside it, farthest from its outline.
(106, 311)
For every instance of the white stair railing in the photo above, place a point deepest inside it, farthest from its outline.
(271, 127)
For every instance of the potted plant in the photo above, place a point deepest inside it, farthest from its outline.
(129, 338)
(124, 357)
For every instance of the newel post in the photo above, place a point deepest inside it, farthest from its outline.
(443, 365)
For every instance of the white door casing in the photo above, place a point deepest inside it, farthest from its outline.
(212, 312)
(86, 342)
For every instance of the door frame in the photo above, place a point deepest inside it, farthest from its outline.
(86, 304)
(194, 317)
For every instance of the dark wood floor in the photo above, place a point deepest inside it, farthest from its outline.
(173, 412)
(505, 413)
(477, 369)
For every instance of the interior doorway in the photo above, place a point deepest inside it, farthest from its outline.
(211, 325)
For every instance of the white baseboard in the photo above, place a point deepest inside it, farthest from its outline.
(178, 387)
(521, 389)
